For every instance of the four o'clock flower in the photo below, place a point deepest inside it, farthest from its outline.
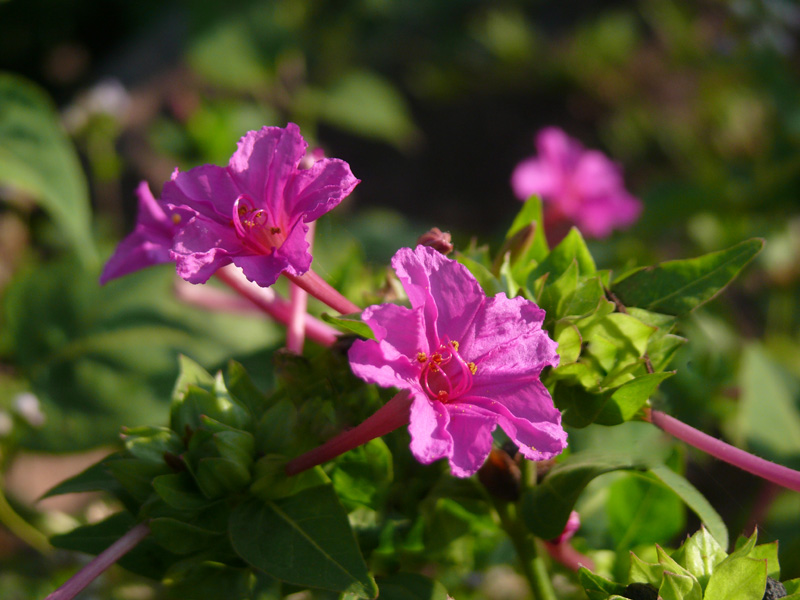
(254, 212)
(468, 362)
(577, 186)
(149, 243)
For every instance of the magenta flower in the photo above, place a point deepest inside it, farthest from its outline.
(469, 363)
(581, 187)
(254, 212)
(150, 241)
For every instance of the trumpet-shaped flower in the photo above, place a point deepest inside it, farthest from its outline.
(254, 212)
(149, 243)
(582, 187)
(469, 363)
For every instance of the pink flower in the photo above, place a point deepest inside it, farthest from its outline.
(149, 243)
(254, 212)
(573, 524)
(583, 187)
(469, 363)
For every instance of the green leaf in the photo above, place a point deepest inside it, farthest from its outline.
(679, 587)
(740, 579)
(275, 430)
(150, 443)
(182, 538)
(136, 475)
(699, 555)
(679, 286)
(597, 587)
(572, 248)
(488, 282)
(569, 342)
(545, 508)
(180, 491)
(350, 324)
(768, 552)
(243, 389)
(362, 476)
(698, 503)
(641, 511)
(96, 478)
(531, 213)
(767, 418)
(37, 158)
(304, 539)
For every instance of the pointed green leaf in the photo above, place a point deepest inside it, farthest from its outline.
(597, 587)
(698, 503)
(572, 248)
(700, 554)
(740, 579)
(244, 390)
(351, 324)
(304, 540)
(679, 286)
(679, 587)
(645, 572)
(182, 538)
(37, 158)
(531, 213)
(180, 491)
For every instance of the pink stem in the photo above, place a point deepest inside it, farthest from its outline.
(386, 419)
(770, 471)
(75, 584)
(565, 554)
(275, 306)
(323, 291)
(296, 329)
(213, 299)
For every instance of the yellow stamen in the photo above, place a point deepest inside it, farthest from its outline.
(274, 230)
(436, 358)
(454, 344)
(442, 395)
(176, 218)
(472, 367)
(422, 357)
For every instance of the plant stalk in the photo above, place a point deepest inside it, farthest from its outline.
(390, 416)
(323, 291)
(78, 582)
(20, 527)
(533, 567)
(783, 476)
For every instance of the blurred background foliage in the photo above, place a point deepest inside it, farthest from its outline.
(432, 104)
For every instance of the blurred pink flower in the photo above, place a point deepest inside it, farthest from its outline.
(577, 186)
(469, 363)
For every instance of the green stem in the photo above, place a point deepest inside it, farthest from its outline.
(533, 567)
(20, 527)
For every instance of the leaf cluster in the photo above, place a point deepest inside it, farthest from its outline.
(699, 570)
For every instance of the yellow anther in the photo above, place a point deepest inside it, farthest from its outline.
(274, 230)
(422, 357)
(176, 218)
(472, 367)
(442, 396)
(454, 344)
(436, 358)
(434, 368)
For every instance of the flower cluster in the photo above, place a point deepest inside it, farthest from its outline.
(253, 213)
(580, 187)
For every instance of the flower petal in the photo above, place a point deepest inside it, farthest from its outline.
(472, 440)
(428, 426)
(526, 413)
(379, 362)
(202, 246)
(263, 164)
(399, 327)
(533, 176)
(148, 244)
(506, 339)
(207, 190)
(313, 192)
(449, 293)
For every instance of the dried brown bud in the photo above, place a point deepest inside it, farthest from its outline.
(437, 239)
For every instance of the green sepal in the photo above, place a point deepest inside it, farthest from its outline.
(571, 249)
(676, 586)
(180, 491)
(530, 214)
(275, 429)
(150, 443)
(700, 554)
(136, 475)
(737, 577)
(270, 480)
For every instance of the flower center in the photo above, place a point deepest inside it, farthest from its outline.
(445, 375)
(255, 228)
